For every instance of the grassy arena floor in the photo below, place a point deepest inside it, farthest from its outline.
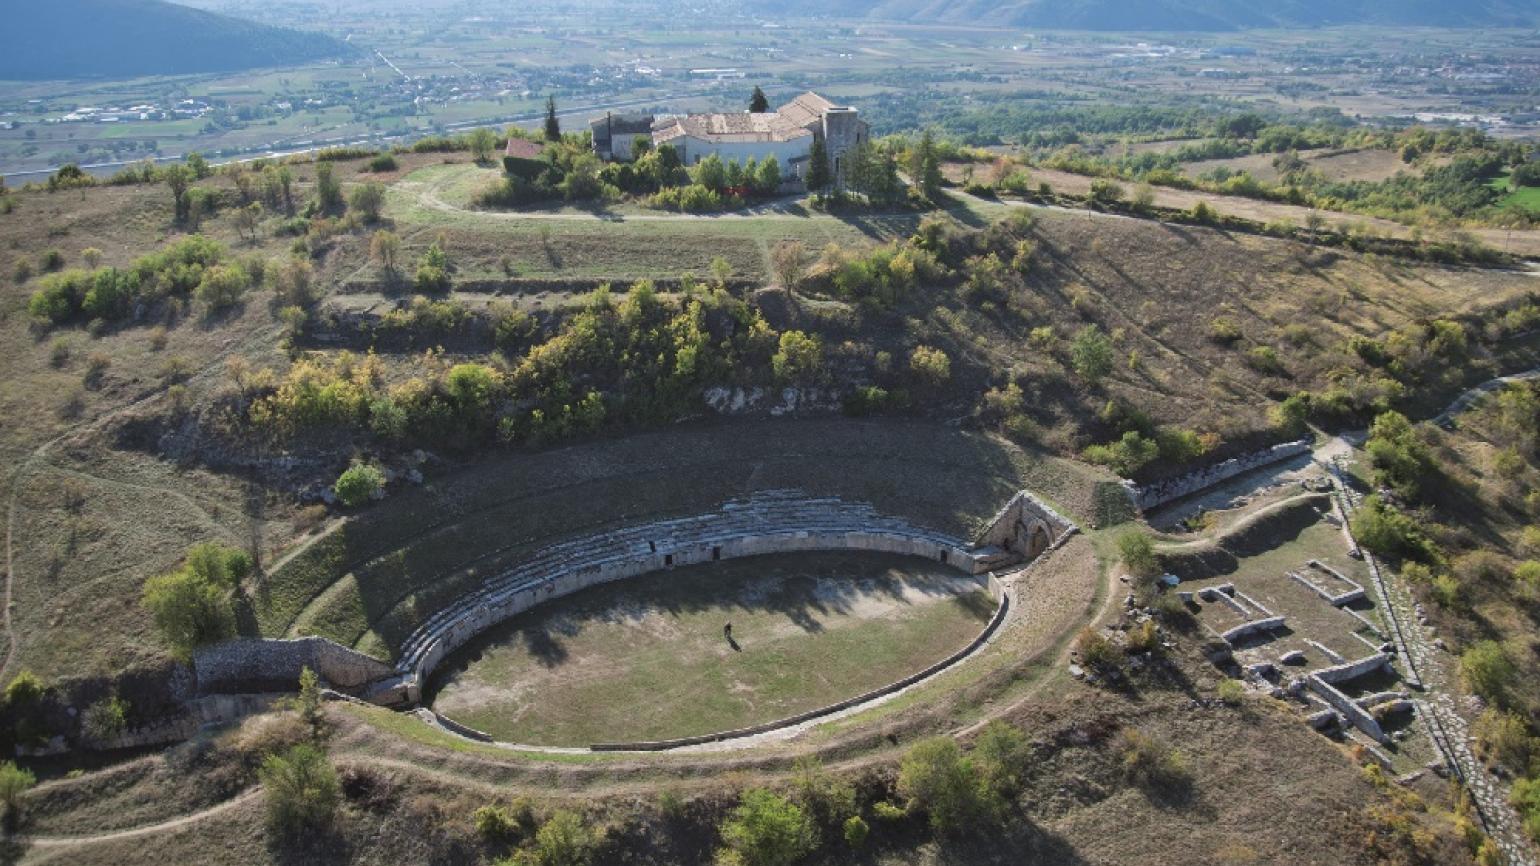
(646, 659)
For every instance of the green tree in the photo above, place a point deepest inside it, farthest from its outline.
(1488, 671)
(385, 248)
(358, 484)
(798, 358)
(481, 141)
(188, 610)
(564, 840)
(105, 718)
(222, 286)
(711, 173)
(178, 179)
(1400, 459)
(328, 190)
(308, 701)
(1091, 354)
(818, 177)
(768, 178)
(1138, 553)
(766, 829)
(219, 564)
(925, 165)
(1002, 755)
(301, 790)
(367, 199)
(552, 123)
(15, 782)
(936, 778)
(759, 103)
(931, 366)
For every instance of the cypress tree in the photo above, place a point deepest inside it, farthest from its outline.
(552, 125)
(818, 178)
(758, 104)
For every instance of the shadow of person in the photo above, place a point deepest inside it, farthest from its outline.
(734, 644)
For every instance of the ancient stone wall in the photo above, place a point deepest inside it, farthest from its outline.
(1146, 496)
(769, 522)
(258, 664)
(1025, 528)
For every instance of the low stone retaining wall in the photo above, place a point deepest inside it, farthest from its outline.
(662, 745)
(1247, 629)
(770, 522)
(1147, 496)
(263, 664)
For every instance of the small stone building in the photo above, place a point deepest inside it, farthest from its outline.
(613, 134)
(522, 158)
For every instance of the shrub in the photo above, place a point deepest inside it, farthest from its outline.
(367, 199)
(301, 791)
(931, 366)
(885, 811)
(1138, 553)
(1091, 354)
(799, 357)
(1264, 359)
(218, 563)
(382, 163)
(1525, 797)
(1149, 762)
(105, 718)
(1488, 671)
(1387, 532)
(1400, 459)
(826, 798)
(1528, 572)
(1126, 455)
(357, 485)
(1504, 739)
(1224, 332)
(937, 779)
(1232, 691)
(494, 824)
(1097, 652)
(188, 610)
(563, 840)
(766, 829)
(856, 831)
(15, 782)
(1001, 753)
(1142, 638)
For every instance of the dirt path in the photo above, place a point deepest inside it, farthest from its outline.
(45, 849)
(1471, 395)
(83, 428)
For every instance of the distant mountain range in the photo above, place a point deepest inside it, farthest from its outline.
(1179, 15)
(48, 39)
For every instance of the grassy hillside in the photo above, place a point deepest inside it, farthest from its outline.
(1189, 15)
(129, 38)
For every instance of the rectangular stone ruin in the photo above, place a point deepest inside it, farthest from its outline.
(1329, 583)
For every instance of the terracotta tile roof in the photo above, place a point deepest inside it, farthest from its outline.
(805, 109)
(730, 127)
(523, 148)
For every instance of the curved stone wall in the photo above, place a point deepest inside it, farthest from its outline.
(770, 522)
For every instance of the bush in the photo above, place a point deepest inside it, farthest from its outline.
(826, 798)
(219, 564)
(1232, 692)
(937, 779)
(15, 782)
(766, 829)
(1138, 553)
(1224, 331)
(301, 791)
(367, 199)
(563, 840)
(1504, 739)
(885, 811)
(1389, 533)
(1001, 754)
(856, 831)
(357, 485)
(1097, 652)
(1488, 671)
(798, 358)
(188, 610)
(1400, 460)
(1151, 763)
(930, 366)
(1091, 354)
(382, 163)
(105, 718)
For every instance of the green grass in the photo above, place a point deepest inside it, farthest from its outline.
(646, 659)
(628, 242)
